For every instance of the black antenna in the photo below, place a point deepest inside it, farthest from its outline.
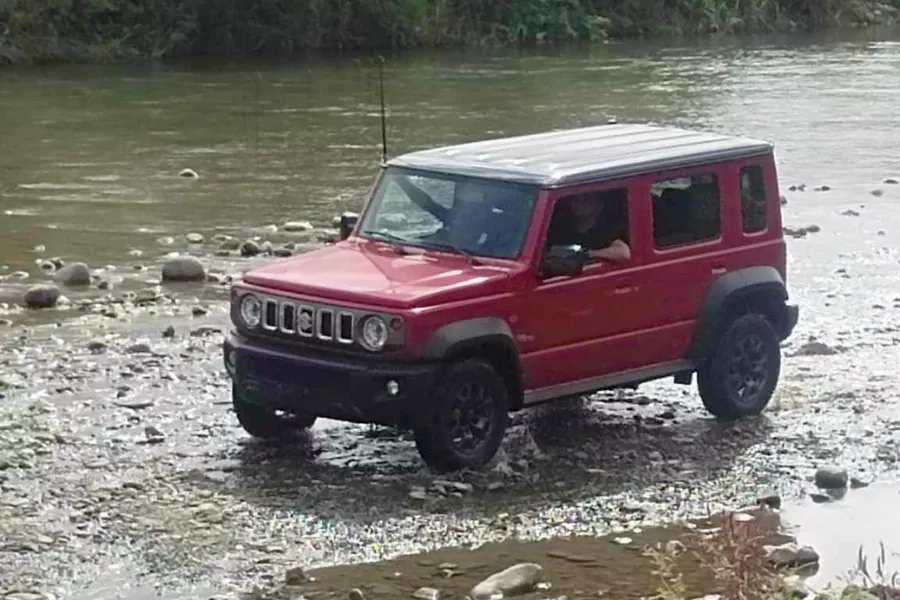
(383, 118)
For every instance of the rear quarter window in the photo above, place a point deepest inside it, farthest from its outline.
(753, 199)
(686, 210)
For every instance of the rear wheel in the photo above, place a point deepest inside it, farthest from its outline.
(266, 423)
(467, 420)
(739, 377)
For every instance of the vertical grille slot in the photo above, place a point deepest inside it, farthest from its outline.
(306, 321)
(325, 324)
(288, 317)
(345, 328)
(270, 315)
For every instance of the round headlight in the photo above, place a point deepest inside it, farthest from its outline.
(251, 310)
(374, 333)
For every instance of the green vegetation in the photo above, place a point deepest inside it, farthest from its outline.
(45, 30)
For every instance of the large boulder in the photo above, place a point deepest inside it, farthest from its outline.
(76, 274)
(41, 296)
(183, 268)
(518, 579)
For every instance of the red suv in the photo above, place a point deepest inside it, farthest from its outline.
(492, 276)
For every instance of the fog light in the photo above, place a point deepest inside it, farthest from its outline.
(393, 388)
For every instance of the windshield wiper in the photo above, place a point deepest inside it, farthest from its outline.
(389, 237)
(451, 246)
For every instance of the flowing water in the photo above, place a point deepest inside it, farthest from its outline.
(89, 156)
(89, 164)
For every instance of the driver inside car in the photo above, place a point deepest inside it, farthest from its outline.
(591, 221)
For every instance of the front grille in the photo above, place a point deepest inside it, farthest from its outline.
(297, 319)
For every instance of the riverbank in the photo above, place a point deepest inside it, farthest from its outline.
(121, 30)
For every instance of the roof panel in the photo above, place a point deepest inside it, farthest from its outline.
(572, 155)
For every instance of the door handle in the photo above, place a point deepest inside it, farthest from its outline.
(719, 270)
(625, 289)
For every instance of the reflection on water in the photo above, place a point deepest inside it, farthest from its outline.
(862, 519)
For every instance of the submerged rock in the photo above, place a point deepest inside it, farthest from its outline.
(427, 593)
(188, 174)
(76, 274)
(194, 238)
(295, 576)
(815, 349)
(183, 268)
(41, 296)
(518, 579)
(890, 181)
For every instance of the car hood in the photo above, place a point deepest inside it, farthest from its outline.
(375, 273)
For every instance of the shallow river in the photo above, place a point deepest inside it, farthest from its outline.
(90, 155)
(89, 163)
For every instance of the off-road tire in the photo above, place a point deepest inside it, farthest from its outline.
(739, 377)
(469, 407)
(264, 423)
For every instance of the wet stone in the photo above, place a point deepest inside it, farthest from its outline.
(356, 594)
(183, 268)
(295, 226)
(791, 555)
(295, 576)
(427, 593)
(168, 332)
(41, 296)
(139, 348)
(188, 174)
(518, 579)
(770, 500)
(199, 311)
(815, 349)
(153, 435)
(890, 181)
(76, 274)
(250, 248)
(194, 238)
(230, 244)
(831, 477)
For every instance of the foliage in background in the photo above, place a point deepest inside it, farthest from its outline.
(123, 29)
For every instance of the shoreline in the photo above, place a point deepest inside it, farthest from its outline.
(37, 47)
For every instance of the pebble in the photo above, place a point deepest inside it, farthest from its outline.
(295, 226)
(154, 435)
(295, 576)
(356, 594)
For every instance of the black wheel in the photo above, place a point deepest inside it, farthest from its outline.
(738, 379)
(467, 420)
(265, 423)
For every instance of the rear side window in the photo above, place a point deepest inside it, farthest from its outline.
(686, 210)
(753, 199)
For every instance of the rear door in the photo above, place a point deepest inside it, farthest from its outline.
(688, 233)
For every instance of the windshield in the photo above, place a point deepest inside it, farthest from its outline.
(470, 216)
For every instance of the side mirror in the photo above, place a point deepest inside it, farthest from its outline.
(348, 222)
(563, 261)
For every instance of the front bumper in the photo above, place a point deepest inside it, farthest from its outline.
(344, 388)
